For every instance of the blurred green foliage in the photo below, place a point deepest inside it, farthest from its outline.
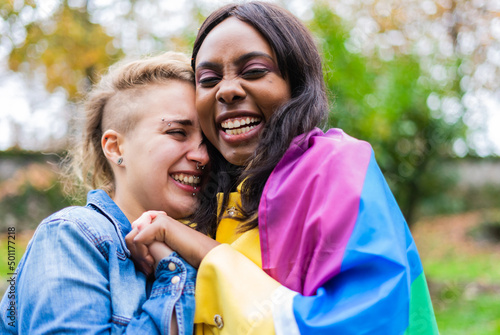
(26, 209)
(384, 103)
(68, 48)
(31, 190)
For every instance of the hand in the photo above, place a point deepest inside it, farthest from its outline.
(141, 254)
(187, 242)
(146, 219)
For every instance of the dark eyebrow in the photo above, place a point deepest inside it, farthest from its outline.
(239, 60)
(209, 65)
(252, 54)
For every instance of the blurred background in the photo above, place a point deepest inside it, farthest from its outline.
(418, 79)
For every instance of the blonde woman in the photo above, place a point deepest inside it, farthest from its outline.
(142, 151)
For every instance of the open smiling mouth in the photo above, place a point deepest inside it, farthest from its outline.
(238, 126)
(187, 179)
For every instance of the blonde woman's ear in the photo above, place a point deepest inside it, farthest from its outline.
(111, 146)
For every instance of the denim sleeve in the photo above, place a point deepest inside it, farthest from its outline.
(173, 290)
(64, 288)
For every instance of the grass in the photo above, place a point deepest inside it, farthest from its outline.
(460, 315)
(21, 241)
(463, 274)
(20, 247)
(463, 268)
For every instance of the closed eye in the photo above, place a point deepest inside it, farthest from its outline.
(255, 73)
(177, 133)
(208, 77)
(208, 81)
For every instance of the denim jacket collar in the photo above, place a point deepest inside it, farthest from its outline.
(100, 200)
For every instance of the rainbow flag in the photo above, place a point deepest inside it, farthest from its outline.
(331, 230)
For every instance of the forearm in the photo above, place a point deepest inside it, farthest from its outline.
(189, 243)
(192, 245)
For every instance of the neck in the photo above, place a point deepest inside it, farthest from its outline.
(130, 208)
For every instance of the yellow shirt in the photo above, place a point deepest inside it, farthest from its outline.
(247, 243)
(233, 294)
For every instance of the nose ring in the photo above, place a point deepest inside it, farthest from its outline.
(198, 166)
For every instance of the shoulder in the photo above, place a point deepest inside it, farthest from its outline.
(333, 152)
(335, 141)
(79, 222)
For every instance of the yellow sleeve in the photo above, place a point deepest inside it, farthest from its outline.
(234, 296)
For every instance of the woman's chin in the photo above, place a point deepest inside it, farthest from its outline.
(240, 155)
(186, 209)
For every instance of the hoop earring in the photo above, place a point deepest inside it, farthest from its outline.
(120, 161)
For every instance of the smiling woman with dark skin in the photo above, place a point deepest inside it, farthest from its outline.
(242, 84)
(308, 237)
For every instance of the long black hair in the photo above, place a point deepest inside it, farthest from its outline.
(300, 64)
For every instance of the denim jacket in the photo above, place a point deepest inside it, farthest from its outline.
(76, 277)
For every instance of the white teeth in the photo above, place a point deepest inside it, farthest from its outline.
(186, 179)
(238, 123)
(239, 130)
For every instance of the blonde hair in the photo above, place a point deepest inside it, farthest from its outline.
(88, 162)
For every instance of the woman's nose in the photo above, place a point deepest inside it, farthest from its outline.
(230, 91)
(199, 155)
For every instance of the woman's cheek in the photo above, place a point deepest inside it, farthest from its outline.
(208, 127)
(203, 105)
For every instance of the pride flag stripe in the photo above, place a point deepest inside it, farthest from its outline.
(331, 230)
(373, 293)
